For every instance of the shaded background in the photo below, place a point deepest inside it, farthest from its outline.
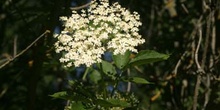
(168, 26)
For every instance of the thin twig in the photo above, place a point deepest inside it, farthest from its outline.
(197, 49)
(205, 7)
(138, 69)
(207, 91)
(207, 81)
(82, 6)
(29, 46)
(116, 84)
(184, 8)
(3, 91)
(213, 45)
(129, 83)
(198, 82)
(213, 41)
(15, 46)
(206, 41)
(178, 64)
(193, 44)
(183, 89)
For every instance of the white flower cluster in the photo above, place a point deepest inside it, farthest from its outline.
(86, 36)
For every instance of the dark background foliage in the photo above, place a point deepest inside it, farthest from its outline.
(27, 81)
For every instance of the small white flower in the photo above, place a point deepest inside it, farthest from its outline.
(86, 36)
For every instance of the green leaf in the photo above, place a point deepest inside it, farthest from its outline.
(103, 103)
(79, 97)
(85, 92)
(148, 56)
(108, 68)
(95, 76)
(112, 103)
(71, 82)
(61, 95)
(121, 60)
(119, 103)
(77, 106)
(137, 80)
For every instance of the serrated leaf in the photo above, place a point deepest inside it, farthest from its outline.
(121, 60)
(137, 80)
(77, 96)
(148, 56)
(108, 68)
(95, 76)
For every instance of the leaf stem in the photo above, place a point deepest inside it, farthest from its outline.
(103, 82)
(117, 82)
(85, 74)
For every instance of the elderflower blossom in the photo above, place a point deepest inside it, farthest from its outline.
(86, 36)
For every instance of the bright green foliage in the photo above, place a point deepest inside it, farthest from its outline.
(137, 80)
(62, 95)
(102, 77)
(77, 106)
(148, 56)
(26, 81)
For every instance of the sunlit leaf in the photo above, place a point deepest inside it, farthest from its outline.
(148, 56)
(61, 95)
(71, 82)
(137, 80)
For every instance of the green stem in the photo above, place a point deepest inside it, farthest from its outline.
(103, 81)
(85, 74)
(116, 84)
